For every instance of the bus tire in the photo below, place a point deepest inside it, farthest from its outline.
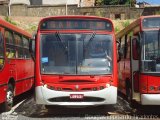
(9, 98)
(49, 107)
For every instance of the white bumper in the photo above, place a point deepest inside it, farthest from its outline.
(150, 99)
(43, 95)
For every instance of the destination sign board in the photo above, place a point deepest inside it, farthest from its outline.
(76, 25)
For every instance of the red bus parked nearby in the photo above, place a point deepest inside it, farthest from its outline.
(76, 61)
(139, 67)
(16, 65)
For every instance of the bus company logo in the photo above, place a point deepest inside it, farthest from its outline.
(76, 87)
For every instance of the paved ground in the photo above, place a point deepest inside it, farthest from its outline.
(26, 109)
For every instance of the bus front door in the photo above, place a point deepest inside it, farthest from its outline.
(135, 69)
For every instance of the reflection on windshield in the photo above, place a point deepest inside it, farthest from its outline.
(76, 54)
(151, 52)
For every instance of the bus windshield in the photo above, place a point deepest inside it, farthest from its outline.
(151, 51)
(76, 53)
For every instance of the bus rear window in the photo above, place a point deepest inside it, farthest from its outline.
(76, 25)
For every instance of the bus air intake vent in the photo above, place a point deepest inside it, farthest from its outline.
(85, 99)
(76, 81)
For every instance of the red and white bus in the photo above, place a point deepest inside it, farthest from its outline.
(16, 65)
(76, 61)
(139, 67)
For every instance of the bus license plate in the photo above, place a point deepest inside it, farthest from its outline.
(76, 96)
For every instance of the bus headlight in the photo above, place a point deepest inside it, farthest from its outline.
(94, 89)
(101, 87)
(59, 89)
(108, 85)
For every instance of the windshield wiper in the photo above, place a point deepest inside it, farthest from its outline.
(92, 36)
(59, 38)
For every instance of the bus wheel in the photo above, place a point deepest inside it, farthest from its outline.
(9, 98)
(49, 107)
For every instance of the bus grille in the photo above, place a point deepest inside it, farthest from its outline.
(85, 99)
(77, 81)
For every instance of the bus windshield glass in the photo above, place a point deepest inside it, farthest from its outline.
(151, 51)
(148, 23)
(82, 54)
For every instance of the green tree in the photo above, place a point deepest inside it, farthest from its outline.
(133, 2)
(99, 2)
(115, 2)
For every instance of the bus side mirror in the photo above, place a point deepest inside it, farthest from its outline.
(135, 48)
(119, 50)
(32, 48)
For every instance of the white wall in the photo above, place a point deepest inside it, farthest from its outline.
(60, 2)
(20, 2)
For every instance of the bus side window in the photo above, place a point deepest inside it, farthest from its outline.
(26, 47)
(1, 52)
(19, 46)
(10, 48)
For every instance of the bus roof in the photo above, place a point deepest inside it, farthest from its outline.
(74, 17)
(12, 27)
(149, 16)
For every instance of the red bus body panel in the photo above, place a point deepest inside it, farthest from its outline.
(21, 71)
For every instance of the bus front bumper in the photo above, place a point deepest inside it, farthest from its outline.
(44, 95)
(150, 99)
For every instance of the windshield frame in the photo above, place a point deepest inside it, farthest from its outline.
(92, 33)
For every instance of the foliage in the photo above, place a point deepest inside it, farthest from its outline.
(115, 2)
(10, 20)
(33, 27)
(112, 2)
(117, 29)
(157, 12)
(125, 24)
(133, 2)
(99, 2)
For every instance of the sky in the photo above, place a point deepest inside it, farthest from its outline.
(152, 2)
